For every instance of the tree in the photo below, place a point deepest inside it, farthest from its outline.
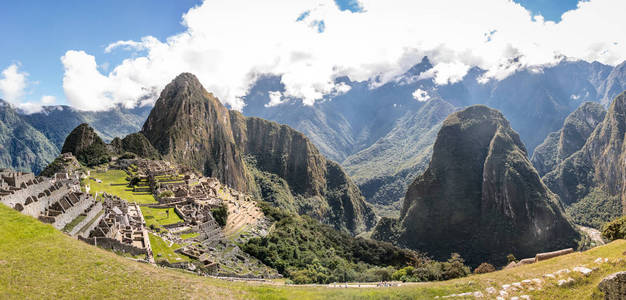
(615, 229)
(484, 268)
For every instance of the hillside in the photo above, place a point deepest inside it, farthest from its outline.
(591, 181)
(40, 262)
(190, 126)
(482, 194)
(22, 147)
(559, 145)
(386, 168)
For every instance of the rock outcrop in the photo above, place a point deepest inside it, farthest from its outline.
(561, 144)
(85, 144)
(190, 126)
(614, 286)
(480, 196)
(594, 178)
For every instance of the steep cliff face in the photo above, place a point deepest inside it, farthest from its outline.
(594, 178)
(192, 127)
(85, 144)
(559, 145)
(480, 196)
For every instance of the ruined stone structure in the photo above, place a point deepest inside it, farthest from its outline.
(122, 228)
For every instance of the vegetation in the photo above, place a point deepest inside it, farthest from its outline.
(162, 251)
(615, 230)
(94, 155)
(166, 194)
(220, 214)
(307, 251)
(114, 183)
(34, 260)
(484, 268)
(595, 209)
(56, 166)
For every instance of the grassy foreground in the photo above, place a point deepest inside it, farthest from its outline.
(37, 261)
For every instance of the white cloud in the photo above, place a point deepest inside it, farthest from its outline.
(48, 100)
(420, 95)
(228, 47)
(275, 99)
(12, 83)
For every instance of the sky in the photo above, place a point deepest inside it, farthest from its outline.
(94, 55)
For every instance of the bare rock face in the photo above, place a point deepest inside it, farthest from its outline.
(191, 126)
(480, 196)
(614, 286)
(596, 173)
(561, 144)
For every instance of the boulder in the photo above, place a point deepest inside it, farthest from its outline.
(614, 286)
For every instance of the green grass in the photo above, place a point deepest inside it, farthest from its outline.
(158, 216)
(114, 182)
(189, 235)
(160, 247)
(74, 222)
(39, 262)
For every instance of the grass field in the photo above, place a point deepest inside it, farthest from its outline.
(159, 247)
(39, 262)
(114, 182)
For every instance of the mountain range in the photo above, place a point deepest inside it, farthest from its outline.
(372, 122)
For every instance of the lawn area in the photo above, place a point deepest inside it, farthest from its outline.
(189, 235)
(38, 261)
(114, 182)
(159, 246)
(158, 216)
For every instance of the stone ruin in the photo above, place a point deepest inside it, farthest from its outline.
(56, 201)
(120, 228)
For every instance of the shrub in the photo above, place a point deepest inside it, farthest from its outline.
(220, 214)
(511, 258)
(455, 267)
(134, 181)
(166, 194)
(615, 229)
(484, 268)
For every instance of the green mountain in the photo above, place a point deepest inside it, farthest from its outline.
(559, 145)
(385, 169)
(85, 144)
(591, 181)
(190, 126)
(22, 147)
(56, 122)
(480, 197)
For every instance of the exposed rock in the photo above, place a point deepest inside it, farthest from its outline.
(190, 126)
(614, 286)
(482, 194)
(595, 175)
(559, 145)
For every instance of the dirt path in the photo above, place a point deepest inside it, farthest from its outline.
(593, 234)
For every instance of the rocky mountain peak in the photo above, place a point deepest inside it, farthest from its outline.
(480, 196)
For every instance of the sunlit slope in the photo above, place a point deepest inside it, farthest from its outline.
(37, 261)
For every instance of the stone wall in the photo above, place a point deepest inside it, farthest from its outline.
(70, 214)
(35, 209)
(95, 210)
(113, 244)
(88, 230)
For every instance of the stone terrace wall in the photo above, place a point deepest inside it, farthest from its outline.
(97, 208)
(35, 209)
(63, 219)
(85, 233)
(113, 244)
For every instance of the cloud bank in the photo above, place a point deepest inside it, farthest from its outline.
(228, 44)
(13, 85)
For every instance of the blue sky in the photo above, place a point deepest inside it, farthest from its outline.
(36, 34)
